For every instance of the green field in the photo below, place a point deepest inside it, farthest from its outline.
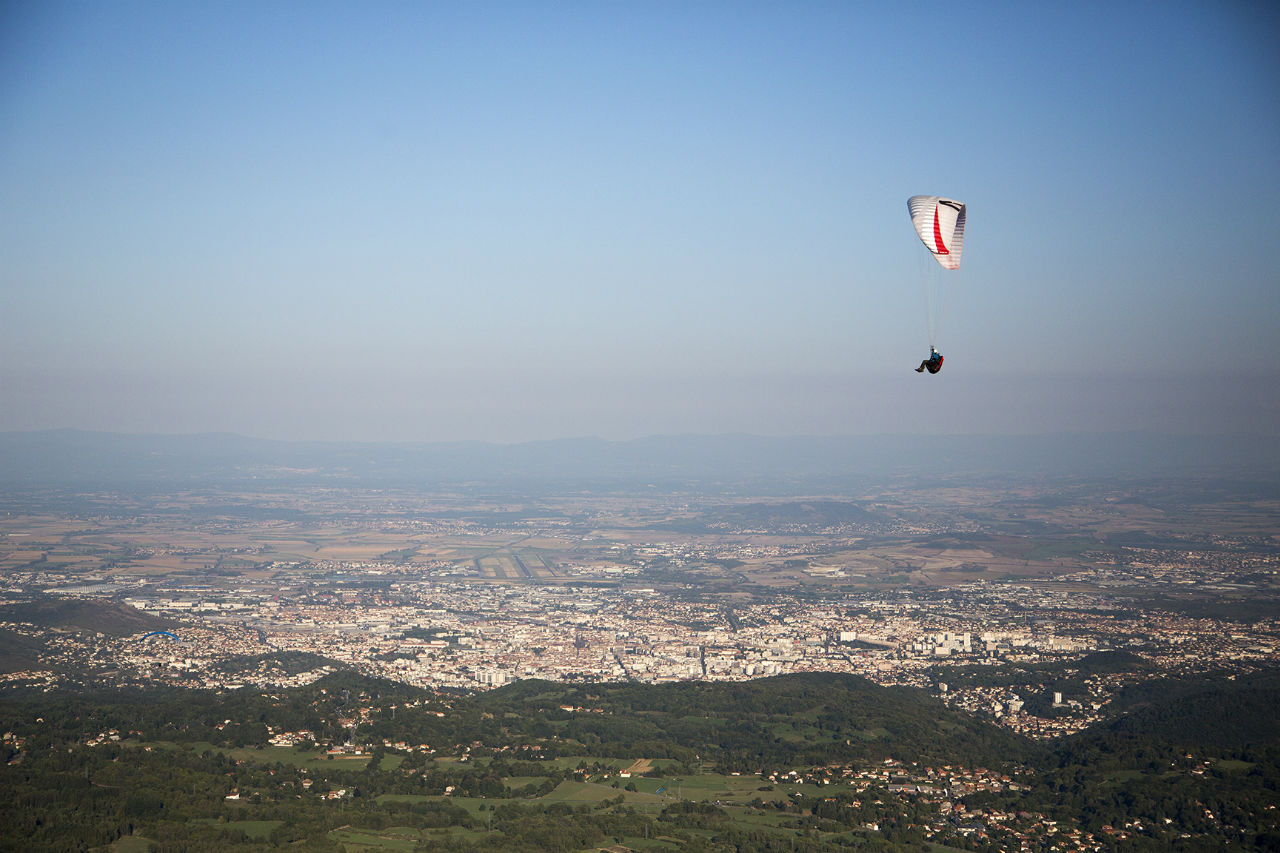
(308, 759)
(258, 829)
(517, 782)
(391, 838)
(732, 794)
(354, 839)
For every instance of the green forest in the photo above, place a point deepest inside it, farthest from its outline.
(812, 762)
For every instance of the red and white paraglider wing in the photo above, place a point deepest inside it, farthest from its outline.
(940, 224)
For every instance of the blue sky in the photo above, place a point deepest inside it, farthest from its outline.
(518, 221)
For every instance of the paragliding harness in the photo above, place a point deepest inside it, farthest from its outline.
(932, 364)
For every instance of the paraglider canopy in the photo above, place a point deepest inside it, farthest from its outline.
(940, 224)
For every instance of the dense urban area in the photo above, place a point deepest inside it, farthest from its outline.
(447, 632)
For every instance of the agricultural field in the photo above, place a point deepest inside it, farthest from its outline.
(890, 538)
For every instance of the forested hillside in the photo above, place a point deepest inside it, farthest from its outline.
(810, 762)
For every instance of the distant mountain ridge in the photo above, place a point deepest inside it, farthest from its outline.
(54, 458)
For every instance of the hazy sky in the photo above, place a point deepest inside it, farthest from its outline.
(514, 221)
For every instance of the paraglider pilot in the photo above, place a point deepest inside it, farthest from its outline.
(932, 364)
